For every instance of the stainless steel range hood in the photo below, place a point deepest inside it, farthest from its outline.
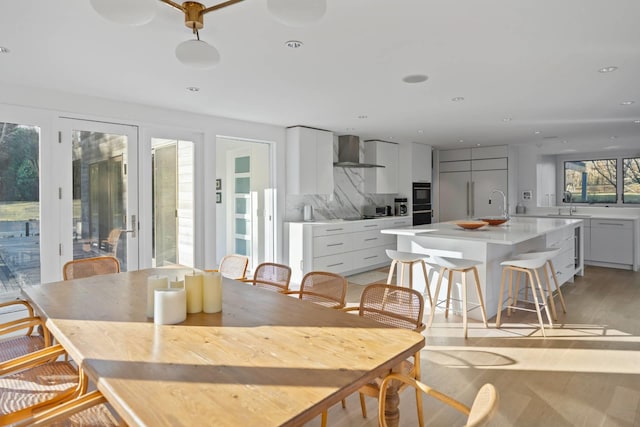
(349, 153)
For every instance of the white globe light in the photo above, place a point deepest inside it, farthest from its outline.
(197, 54)
(297, 13)
(126, 12)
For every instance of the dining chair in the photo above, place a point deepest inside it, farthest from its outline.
(271, 276)
(234, 266)
(481, 411)
(395, 306)
(37, 381)
(38, 389)
(23, 335)
(87, 267)
(324, 288)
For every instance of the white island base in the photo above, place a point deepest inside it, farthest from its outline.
(491, 245)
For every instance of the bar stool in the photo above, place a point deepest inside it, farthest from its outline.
(528, 264)
(407, 259)
(549, 253)
(463, 266)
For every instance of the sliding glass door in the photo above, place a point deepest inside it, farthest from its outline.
(100, 203)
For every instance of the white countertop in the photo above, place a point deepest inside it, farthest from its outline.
(342, 221)
(581, 216)
(516, 230)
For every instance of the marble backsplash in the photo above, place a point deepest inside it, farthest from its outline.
(347, 200)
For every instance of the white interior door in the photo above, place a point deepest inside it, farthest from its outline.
(100, 191)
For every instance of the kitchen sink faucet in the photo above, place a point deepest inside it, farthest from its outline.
(505, 210)
(568, 197)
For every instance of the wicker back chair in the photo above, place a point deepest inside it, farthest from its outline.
(482, 410)
(87, 267)
(34, 336)
(234, 266)
(271, 276)
(324, 288)
(109, 245)
(37, 383)
(399, 307)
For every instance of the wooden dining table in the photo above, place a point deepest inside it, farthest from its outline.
(267, 359)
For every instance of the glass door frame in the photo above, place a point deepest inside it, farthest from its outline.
(66, 126)
(147, 134)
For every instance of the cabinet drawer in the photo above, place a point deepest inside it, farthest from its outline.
(612, 223)
(369, 257)
(329, 229)
(367, 239)
(464, 165)
(329, 245)
(398, 222)
(489, 164)
(372, 224)
(334, 263)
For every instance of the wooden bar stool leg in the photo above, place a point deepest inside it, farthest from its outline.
(446, 311)
(535, 299)
(516, 292)
(555, 281)
(391, 268)
(552, 303)
(510, 291)
(433, 306)
(546, 307)
(463, 278)
(480, 299)
(426, 281)
(401, 274)
(500, 296)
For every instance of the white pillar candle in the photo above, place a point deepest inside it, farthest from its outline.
(153, 283)
(177, 284)
(193, 286)
(212, 292)
(170, 306)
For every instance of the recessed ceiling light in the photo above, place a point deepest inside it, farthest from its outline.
(363, 117)
(193, 89)
(507, 119)
(420, 131)
(627, 102)
(537, 132)
(477, 145)
(415, 78)
(458, 99)
(564, 141)
(607, 69)
(4, 49)
(636, 122)
(293, 44)
(461, 140)
(612, 137)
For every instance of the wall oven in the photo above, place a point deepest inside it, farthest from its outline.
(421, 210)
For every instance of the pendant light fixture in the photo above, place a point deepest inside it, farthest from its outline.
(198, 53)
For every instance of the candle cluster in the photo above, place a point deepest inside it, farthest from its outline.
(168, 302)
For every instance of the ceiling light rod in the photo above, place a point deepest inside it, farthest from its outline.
(194, 11)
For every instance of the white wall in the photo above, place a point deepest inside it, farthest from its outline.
(52, 104)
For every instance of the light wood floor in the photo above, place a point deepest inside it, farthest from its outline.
(585, 373)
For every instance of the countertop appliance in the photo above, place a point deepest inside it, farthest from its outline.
(372, 211)
(307, 213)
(401, 206)
(421, 210)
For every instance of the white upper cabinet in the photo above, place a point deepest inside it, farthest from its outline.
(309, 161)
(421, 163)
(381, 180)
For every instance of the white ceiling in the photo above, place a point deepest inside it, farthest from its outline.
(534, 61)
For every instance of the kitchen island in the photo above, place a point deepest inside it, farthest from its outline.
(491, 245)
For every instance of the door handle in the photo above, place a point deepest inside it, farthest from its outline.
(473, 199)
(467, 198)
(134, 227)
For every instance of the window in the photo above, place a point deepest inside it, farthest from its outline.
(631, 180)
(591, 181)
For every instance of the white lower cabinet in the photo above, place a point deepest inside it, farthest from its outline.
(612, 241)
(566, 262)
(343, 248)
